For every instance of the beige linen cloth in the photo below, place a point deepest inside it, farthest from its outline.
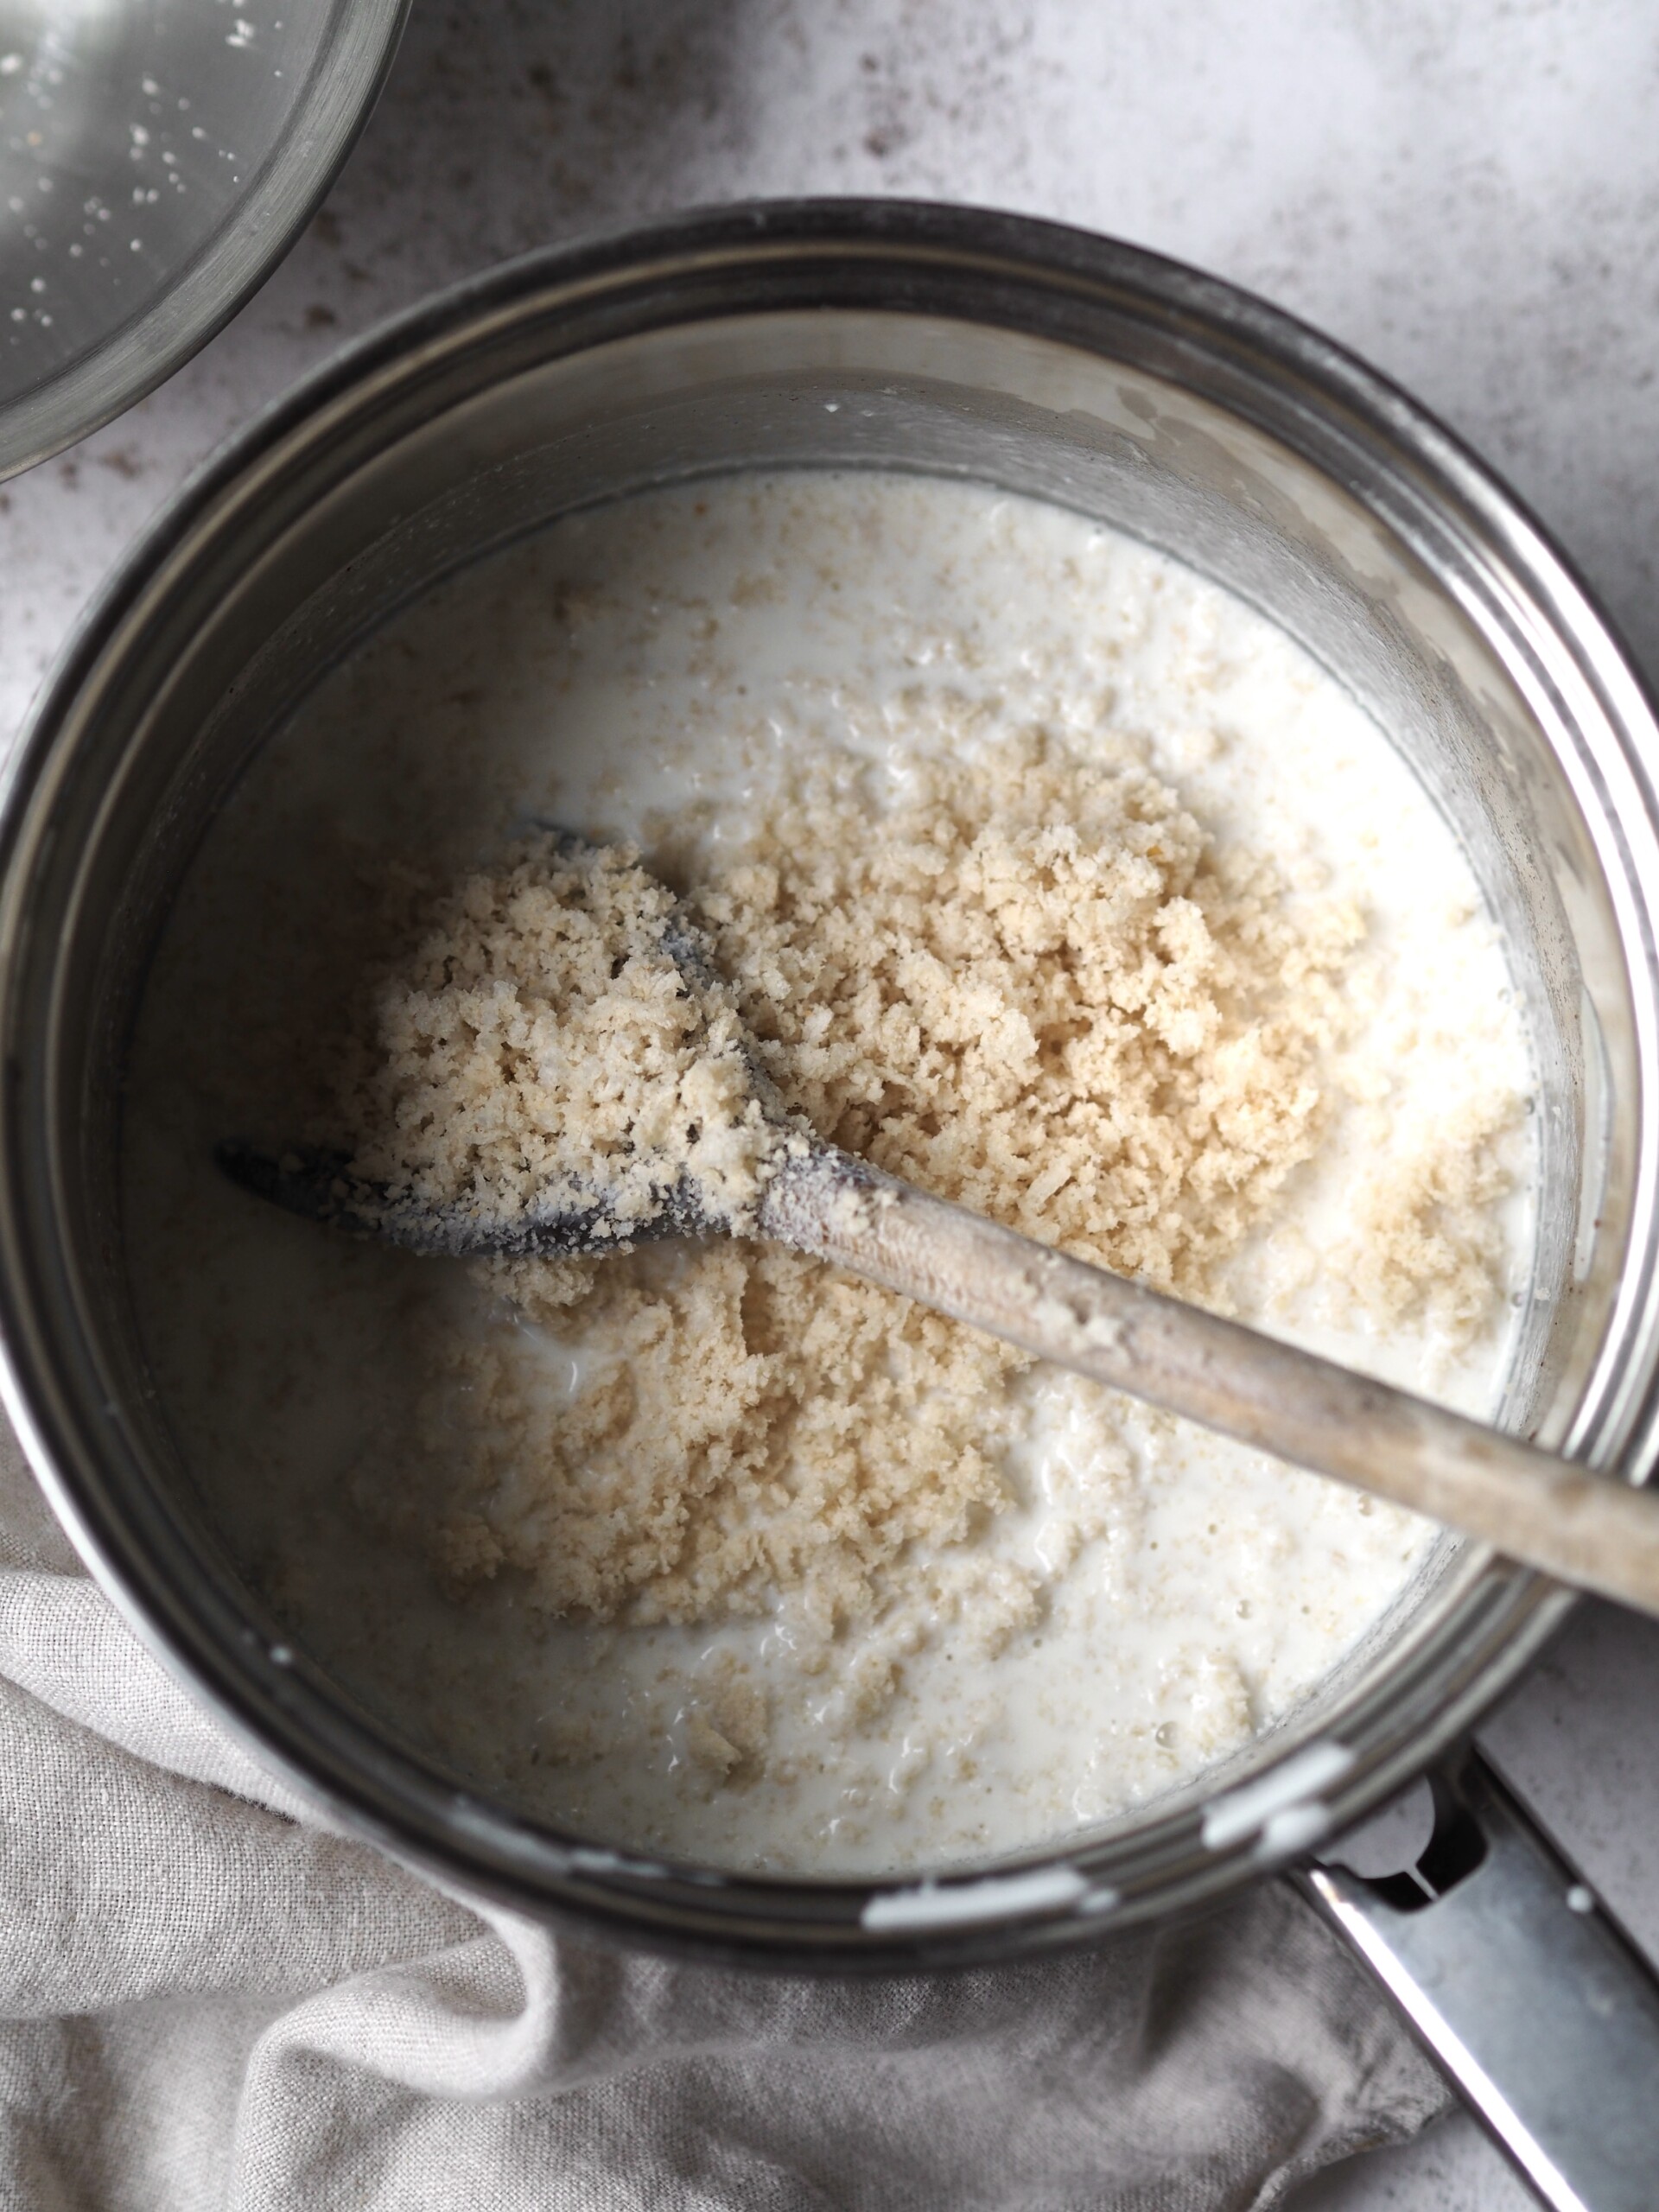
(209, 2000)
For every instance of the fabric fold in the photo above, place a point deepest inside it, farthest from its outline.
(209, 1998)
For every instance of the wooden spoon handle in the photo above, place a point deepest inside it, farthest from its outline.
(1583, 1528)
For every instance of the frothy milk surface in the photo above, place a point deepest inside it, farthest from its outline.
(1123, 1600)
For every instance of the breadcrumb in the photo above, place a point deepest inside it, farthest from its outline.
(556, 1045)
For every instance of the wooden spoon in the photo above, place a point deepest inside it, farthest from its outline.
(1583, 1528)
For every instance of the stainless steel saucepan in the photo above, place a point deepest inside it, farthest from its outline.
(885, 335)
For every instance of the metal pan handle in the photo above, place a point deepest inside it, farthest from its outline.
(1533, 1999)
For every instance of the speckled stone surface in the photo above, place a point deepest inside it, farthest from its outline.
(1469, 195)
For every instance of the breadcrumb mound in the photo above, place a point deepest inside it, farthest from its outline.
(1027, 980)
(1031, 986)
(555, 1039)
(749, 1422)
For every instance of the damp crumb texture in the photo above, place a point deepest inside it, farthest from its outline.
(554, 1044)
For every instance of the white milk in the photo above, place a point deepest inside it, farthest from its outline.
(646, 671)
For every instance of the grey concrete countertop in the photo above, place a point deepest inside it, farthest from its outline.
(1468, 195)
